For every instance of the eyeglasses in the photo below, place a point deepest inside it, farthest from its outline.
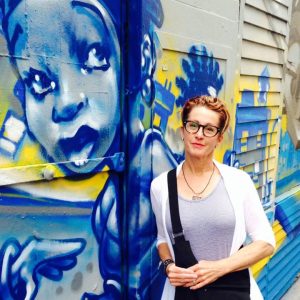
(207, 130)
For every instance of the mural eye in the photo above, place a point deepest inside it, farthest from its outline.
(39, 83)
(97, 58)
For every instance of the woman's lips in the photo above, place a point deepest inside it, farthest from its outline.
(198, 145)
(79, 147)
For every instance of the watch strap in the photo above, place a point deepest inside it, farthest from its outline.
(167, 262)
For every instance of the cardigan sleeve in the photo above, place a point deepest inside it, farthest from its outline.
(157, 209)
(256, 221)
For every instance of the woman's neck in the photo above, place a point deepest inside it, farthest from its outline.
(199, 166)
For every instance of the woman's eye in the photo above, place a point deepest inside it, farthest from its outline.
(39, 83)
(97, 59)
(194, 125)
(211, 129)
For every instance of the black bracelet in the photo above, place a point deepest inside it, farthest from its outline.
(167, 262)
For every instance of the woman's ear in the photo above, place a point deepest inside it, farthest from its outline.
(220, 138)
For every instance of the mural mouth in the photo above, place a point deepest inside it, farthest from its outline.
(79, 147)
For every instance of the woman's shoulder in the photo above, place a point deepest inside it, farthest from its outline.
(160, 180)
(160, 183)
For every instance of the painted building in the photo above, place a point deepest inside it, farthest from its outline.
(90, 100)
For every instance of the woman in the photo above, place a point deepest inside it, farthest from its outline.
(217, 207)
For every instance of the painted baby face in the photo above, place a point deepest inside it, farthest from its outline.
(71, 79)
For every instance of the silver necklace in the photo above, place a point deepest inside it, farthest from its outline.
(197, 195)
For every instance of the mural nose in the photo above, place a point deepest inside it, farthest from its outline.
(68, 112)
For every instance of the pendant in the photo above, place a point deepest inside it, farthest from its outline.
(196, 198)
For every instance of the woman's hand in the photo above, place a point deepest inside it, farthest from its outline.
(180, 276)
(207, 272)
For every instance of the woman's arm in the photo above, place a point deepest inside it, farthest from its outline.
(177, 276)
(248, 256)
(209, 271)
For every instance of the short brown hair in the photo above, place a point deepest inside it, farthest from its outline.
(209, 102)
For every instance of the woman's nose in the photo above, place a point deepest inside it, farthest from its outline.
(67, 110)
(200, 132)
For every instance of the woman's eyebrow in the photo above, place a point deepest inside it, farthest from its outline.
(203, 124)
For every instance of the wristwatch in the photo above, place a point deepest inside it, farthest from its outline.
(167, 262)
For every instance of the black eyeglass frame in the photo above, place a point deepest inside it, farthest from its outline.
(201, 126)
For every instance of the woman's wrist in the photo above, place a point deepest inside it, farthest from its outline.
(167, 263)
(225, 265)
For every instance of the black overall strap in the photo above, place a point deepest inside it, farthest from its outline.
(174, 208)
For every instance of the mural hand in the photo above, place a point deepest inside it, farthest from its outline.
(24, 265)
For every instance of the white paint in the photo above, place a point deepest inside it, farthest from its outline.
(7, 146)
(14, 129)
(256, 167)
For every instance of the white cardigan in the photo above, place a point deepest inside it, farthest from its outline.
(250, 217)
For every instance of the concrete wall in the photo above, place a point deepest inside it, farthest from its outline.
(90, 95)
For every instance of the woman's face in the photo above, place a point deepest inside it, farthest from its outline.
(197, 145)
(71, 80)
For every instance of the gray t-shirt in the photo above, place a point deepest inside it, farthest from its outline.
(208, 223)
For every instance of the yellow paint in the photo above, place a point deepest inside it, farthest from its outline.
(280, 236)
(4, 105)
(284, 123)
(156, 120)
(245, 134)
(30, 154)
(244, 140)
(258, 267)
(244, 148)
(65, 189)
(88, 188)
(171, 60)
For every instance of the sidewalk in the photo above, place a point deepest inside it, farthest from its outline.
(294, 292)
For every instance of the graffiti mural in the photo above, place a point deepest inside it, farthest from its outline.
(253, 132)
(90, 105)
(60, 109)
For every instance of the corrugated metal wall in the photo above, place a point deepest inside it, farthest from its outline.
(261, 133)
(264, 27)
